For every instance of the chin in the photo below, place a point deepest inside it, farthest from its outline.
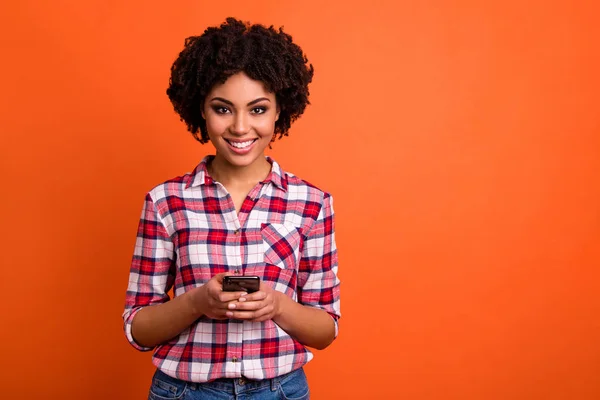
(243, 161)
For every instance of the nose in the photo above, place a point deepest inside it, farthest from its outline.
(240, 125)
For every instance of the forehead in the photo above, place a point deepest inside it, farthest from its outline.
(240, 88)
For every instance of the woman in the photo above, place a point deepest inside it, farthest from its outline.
(238, 213)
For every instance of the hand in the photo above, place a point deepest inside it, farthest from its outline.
(210, 299)
(258, 306)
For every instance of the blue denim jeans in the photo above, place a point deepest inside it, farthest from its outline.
(292, 386)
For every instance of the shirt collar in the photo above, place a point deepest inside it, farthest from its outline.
(200, 175)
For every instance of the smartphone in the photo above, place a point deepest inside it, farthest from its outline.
(248, 284)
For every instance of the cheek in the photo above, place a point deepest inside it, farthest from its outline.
(266, 127)
(216, 125)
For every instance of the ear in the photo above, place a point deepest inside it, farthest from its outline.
(277, 115)
(202, 105)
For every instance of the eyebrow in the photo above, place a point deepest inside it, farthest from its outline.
(249, 104)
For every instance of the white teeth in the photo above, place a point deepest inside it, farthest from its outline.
(241, 145)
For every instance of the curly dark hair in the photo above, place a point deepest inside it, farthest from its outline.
(264, 54)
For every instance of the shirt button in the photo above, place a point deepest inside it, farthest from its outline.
(234, 359)
(236, 232)
(237, 272)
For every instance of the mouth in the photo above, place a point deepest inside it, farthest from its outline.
(241, 144)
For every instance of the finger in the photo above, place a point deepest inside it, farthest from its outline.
(246, 305)
(256, 296)
(245, 315)
(265, 317)
(219, 308)
(263, 314)
(227, 297)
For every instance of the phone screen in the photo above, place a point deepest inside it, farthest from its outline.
(248, 284)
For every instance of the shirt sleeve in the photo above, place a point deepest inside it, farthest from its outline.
(152, 270)
(318, 283)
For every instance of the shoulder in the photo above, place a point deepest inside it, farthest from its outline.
(298, 188)
(302, 190)
(173, 187)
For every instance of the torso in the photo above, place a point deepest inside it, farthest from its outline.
(271, 239)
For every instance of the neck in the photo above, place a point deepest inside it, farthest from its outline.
(226, 173)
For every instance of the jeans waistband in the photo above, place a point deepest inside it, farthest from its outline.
(232, 385)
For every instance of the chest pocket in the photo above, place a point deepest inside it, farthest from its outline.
(282, 244)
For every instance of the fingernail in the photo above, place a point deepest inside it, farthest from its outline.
(229, 313)
(231, 306)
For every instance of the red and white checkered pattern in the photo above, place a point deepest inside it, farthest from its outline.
(189, 231)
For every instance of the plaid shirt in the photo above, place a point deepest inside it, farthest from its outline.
(189, 231)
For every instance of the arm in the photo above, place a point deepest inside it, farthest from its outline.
(311, 326)
(313, 319)
(156, 324)
(150, 317)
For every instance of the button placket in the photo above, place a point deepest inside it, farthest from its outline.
(237, 240)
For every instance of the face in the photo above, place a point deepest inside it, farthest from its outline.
(240, 118)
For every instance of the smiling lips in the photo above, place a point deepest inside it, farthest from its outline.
(241, 147)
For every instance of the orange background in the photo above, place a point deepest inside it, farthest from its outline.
(461, 142)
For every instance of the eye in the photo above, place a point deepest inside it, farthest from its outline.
(259, 110)
(221, 109)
